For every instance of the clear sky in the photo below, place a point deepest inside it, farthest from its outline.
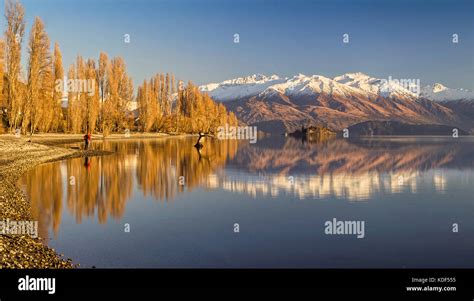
(194, 39)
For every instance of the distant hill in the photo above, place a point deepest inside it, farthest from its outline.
(374, 128)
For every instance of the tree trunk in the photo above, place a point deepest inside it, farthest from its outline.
(198, 144)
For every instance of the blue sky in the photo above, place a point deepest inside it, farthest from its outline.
(194, 39)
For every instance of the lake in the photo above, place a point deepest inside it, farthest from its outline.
(162, 203)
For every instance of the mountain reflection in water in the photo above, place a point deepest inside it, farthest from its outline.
(274, 167)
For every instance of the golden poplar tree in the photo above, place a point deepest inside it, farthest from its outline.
(179, 105)
(46, 101)
(157, 98)
(58, 77)
(144, 107)
(92, 97)
(39, 72)
(163, 102)
(82, 108)
(102, 82)
(120, 93)
(152, 104)
(74, 105)
(14, 14)
(173, 84)
(167, 94)
(2, 67)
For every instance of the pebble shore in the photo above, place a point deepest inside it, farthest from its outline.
(17, 155)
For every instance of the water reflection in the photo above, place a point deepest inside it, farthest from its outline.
(102, 185)
(353, 170)
(45, 191)
(275, 167)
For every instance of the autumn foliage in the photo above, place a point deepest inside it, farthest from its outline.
(92, 95)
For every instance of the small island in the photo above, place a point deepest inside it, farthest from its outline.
(313, 133)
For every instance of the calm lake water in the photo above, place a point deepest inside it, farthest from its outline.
(182, 206)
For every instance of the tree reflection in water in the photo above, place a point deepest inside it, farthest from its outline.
(102, 185)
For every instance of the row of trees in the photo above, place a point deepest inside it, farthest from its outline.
(31, 103)
(99, 93)
(166, 106)
(98, 96)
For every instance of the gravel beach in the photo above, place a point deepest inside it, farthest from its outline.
(17, 155)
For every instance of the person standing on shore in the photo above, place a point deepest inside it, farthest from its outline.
(87, 140)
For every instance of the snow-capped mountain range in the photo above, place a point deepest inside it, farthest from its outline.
(438, 92)
(240, 87)
(284, 104)
(256, 84)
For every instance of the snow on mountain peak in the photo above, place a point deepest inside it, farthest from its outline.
(351, 76)
(438, 92)
(308, 85)
(251, 79)
(384, 87)
(438, 88)
(346, 84)
(240, 87)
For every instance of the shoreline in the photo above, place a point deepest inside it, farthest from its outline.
(17, 156)
(61, 139)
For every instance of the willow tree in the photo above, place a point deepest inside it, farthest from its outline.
(14, 14)
(39, 75)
